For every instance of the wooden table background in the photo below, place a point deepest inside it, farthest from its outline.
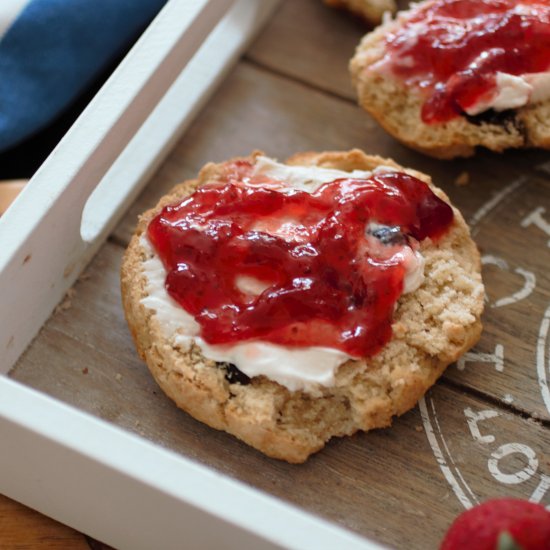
(483, 431)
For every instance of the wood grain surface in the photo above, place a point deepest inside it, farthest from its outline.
(22, 528)
(482, 431)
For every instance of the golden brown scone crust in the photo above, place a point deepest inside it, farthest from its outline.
(397, 109)
(432, 327)
(371, 11)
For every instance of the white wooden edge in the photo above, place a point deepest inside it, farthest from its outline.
(42, 250)
(130, 493)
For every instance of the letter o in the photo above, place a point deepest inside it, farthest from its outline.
(522, 475)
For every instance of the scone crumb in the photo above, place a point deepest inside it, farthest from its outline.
(454, 331)
(462, 179)
(399, 330)
(118, 377)
(67, 302)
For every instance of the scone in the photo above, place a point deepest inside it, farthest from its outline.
(290, 303)
(449, 75)
(371, 11)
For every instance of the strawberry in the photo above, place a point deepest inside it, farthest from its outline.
(500, 524)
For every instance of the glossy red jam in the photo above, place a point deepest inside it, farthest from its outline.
(453, 49)
(323, 285)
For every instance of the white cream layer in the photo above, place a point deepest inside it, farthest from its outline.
(296, 369)
(307, 178)
(513, 92)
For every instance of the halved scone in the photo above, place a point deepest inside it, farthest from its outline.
(276, 383)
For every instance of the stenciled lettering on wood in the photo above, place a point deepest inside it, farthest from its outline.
(500, 455)
(536, 218)
(529, 284)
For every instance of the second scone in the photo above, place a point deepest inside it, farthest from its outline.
(448, 76)
(284, 304)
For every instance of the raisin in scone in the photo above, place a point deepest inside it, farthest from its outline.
(371, 11)
(449, 75)
(290, 303)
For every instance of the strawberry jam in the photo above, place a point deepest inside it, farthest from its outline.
(453, 50)
(327, 267)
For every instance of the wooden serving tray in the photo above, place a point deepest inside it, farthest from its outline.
(483, 431)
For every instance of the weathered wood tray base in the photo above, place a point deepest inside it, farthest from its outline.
(483, 431)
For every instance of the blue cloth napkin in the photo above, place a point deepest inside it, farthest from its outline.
(51, 50)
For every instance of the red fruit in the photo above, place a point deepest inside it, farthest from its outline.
(500, 524)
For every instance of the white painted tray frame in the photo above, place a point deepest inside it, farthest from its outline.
(70, 465)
